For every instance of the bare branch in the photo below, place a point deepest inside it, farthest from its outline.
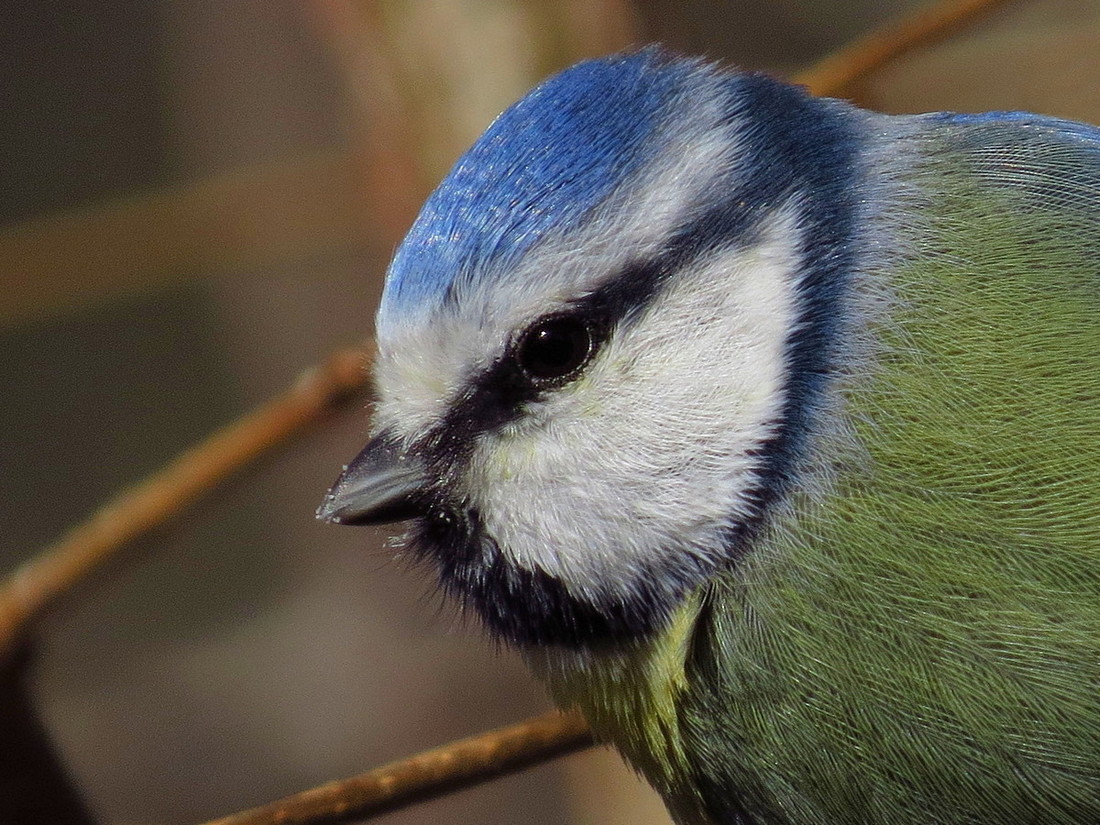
(38, 584)
(836, 73)
(433, 773)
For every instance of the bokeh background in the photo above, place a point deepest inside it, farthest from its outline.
(197, 201)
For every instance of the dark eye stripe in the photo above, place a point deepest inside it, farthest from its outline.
(495, 397)
(499, 393)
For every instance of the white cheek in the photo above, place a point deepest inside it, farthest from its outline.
(651, 452)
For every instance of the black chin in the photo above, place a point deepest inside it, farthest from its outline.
(532, 608)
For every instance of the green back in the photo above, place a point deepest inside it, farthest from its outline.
(922, 643)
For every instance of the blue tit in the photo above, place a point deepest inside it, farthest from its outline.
(768, 429)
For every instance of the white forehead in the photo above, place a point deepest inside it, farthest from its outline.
(425, 361)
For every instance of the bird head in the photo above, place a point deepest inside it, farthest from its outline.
(604, 342)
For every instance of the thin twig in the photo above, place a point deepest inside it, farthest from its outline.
(38, 584)
(430, 774)
(836, 73)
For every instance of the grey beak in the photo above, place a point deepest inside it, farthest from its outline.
(381, 485)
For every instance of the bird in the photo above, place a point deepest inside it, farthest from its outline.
(767, 429)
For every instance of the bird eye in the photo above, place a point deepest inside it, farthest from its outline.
(554, 348)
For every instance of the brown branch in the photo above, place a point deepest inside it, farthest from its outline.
(38, 584)
(836, 73)
(430, 774)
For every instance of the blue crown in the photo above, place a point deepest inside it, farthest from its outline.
(542, 165)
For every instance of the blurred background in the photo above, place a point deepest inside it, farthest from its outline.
(197, 201)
